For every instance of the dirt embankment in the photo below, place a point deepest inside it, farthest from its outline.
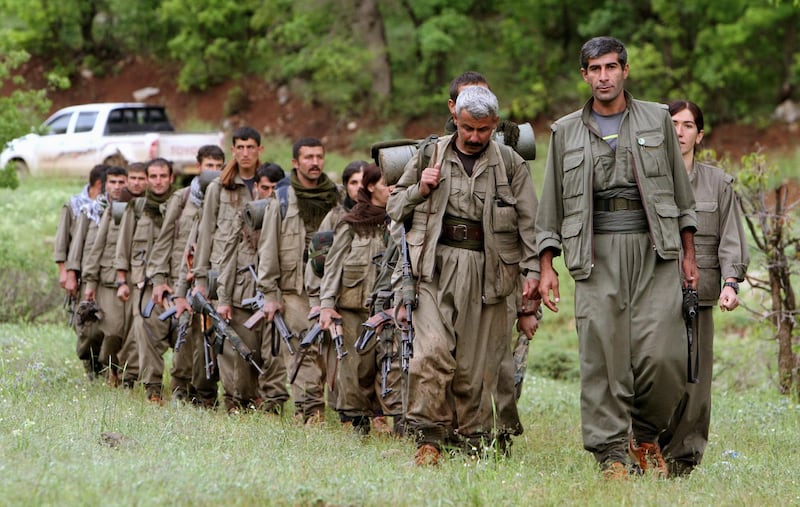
(276, 111)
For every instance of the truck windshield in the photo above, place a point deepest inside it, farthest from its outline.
(59, 124)
(138, 119)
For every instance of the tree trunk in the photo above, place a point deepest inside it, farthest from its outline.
(369, 23)
(783, 301)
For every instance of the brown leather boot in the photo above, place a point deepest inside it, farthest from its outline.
(113, 379)
(380, 426)
(615, 471)
(648, 456)
(155, 399)
(427, 455)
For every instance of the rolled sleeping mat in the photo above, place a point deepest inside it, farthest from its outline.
(392, 156)
(117, 209)
(254, 214)
(206, 177)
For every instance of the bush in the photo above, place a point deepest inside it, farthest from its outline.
(28, 295)
(9, 177)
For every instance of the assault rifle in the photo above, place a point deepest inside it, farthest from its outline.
(386, 352)
(337, 335)
(71, 306)
(257, 303)
(184, 322)
(223, 331)
(409, 294)
(372, 327)
(312, 336)
(691, 305)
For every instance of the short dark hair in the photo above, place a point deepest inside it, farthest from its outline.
(470, 77)
(352, 168)
(116, 170)
(245, 133)
(160, 161)
(98, 173)
(137, 167)
(272, 171)
(599, 46)
(304, 141)
(211, 151)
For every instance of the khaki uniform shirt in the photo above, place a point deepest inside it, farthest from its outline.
(135, 243)
(220, 226)
(720, 241)
(282, 248)
(64, 233)
(502, 198)
(312, 281)
(169, 247)
(99, 266)
(349, 271)
(83, 238)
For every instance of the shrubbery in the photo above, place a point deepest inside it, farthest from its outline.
(28, 280)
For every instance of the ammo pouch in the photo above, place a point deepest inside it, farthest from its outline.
(318, 249)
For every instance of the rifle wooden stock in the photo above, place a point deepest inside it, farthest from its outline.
(254, 319)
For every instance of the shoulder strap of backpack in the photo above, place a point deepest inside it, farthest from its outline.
(138, 207)
(508, 159)
(282, 190)
(425, 148)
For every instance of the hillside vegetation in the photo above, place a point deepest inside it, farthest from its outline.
(394, 58)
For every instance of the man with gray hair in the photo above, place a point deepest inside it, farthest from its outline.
(469, 221)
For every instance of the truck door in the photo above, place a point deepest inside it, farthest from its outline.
(80, 156)
(51, 146)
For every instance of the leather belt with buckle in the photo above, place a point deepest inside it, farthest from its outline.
(462, 232)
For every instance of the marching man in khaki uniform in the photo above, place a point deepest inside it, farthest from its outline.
(139, 228)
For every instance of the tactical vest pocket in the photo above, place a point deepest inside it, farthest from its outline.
(654, 156)
(571, 242)
(352, 291)
(290, 256)
(573, 180)
(509, 253)
(504, 216)
(108, 276)
(243, 288)
(710, 284)
(707, 217)
(666, 230)
(414, 239)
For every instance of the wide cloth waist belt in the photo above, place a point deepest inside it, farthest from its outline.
(617, 204)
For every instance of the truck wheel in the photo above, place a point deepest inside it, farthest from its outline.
(22, 168)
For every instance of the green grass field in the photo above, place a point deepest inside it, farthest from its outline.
(52, 450)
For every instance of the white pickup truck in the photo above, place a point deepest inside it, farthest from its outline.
(78, 137)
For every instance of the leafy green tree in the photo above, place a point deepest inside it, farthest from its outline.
(17, 108)
(210, 39)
